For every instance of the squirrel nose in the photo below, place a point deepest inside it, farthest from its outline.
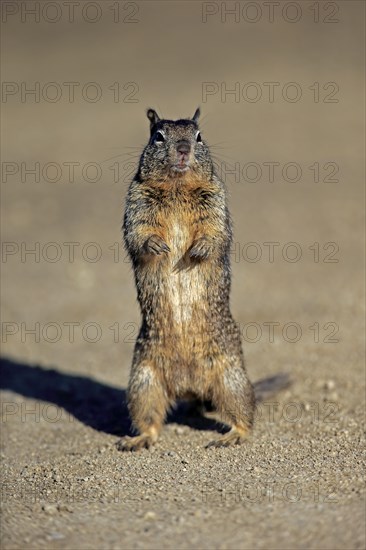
(183, 146)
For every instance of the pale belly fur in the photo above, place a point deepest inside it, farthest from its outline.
(184, 286)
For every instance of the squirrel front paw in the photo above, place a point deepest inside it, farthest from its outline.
(155, 245)
(201, 249)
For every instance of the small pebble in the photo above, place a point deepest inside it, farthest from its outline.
(169, 453)
(50, 509)
(55, 536)
(150, 516)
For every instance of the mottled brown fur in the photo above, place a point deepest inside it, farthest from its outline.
(177, 231)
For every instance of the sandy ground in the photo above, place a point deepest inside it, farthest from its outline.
(298, 482)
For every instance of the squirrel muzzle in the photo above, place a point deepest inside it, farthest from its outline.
(183, 154)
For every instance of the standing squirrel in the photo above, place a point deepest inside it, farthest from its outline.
(178, 233)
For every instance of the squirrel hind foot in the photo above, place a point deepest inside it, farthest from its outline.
(235, 436)
(143, 441)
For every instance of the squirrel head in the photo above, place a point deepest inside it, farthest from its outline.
(175, 150)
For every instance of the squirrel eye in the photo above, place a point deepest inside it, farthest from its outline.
(198, 137)
(159, 137)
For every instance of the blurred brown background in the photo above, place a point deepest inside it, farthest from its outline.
(166, 55)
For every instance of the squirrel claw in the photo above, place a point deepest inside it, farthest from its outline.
(233, 437)
(155, 245)
(201, 249)
(221, 442)
(134, 443)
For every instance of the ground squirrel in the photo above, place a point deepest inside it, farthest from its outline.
(177, 231)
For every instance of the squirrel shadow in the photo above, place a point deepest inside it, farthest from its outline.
(99, 405)
(95, 404)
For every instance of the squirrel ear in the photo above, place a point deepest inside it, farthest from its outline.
(153, 117)
(196, 115)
